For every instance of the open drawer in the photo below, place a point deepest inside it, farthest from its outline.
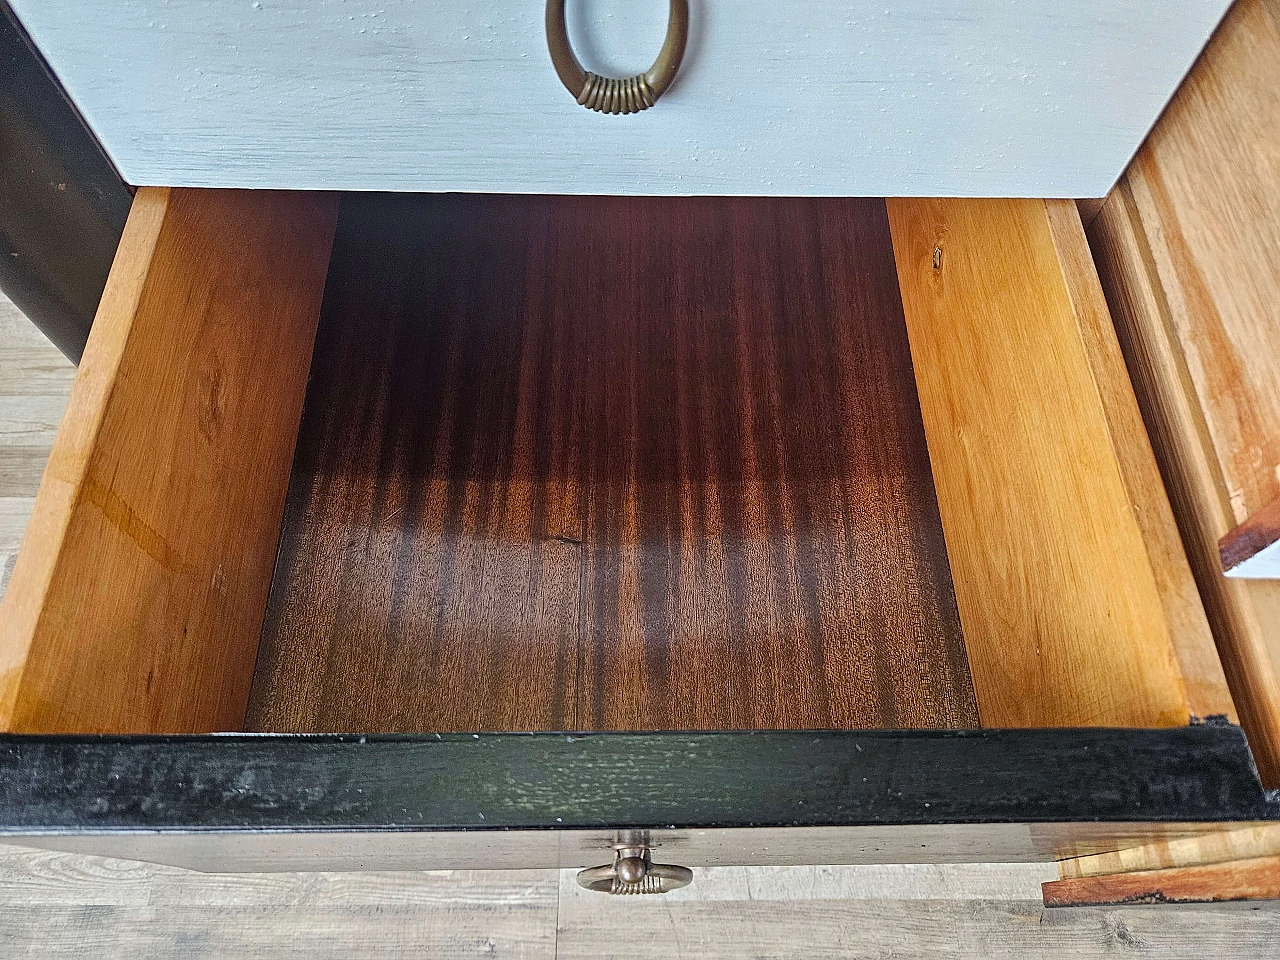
(785, 530)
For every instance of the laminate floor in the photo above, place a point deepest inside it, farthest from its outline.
(59, 906)
(35, 382)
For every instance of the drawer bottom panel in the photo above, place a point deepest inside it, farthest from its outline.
(611, 464)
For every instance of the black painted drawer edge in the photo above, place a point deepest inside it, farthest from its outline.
(63, 205)
(498, 781)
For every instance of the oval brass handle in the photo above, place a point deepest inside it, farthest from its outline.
(609, 95)
(633, 871)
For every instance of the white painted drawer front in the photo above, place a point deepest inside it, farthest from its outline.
(898, 97)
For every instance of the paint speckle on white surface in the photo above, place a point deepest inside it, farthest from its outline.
(834, 97)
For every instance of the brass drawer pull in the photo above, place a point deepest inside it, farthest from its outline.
(609, 95)
(633, 870)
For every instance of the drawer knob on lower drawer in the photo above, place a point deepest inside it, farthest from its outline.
(609, 95)
(633, 871)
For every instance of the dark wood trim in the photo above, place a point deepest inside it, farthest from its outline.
(502, 781)
(62, 203)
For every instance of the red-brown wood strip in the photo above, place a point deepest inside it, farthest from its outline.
(611, 463)
(1260, 532)
(1256, 879)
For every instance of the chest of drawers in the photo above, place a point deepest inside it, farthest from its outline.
(415, 529)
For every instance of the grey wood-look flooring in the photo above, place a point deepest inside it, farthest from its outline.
(58, 905)
(35, 381)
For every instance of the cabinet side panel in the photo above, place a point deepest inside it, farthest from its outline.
(1207, 691)
(137, 598)
(1062, 612)
(1186, 248)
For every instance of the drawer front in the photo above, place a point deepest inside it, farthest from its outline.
(229, 803)
(821, 98)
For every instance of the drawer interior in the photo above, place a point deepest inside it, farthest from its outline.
(571, 463)
(611, 464)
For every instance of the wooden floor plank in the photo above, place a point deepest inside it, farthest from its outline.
(196, 932)
(31, 370)
(69, 905)
(611, 463)
(74, 906)
(987, 929)
(32, 366)
(30, 421)
(14, 514)
(28, 425)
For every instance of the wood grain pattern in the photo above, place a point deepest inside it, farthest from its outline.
(70, 907)
(1075, 608)
(1257, 879)
(1206, 685)
(1244, 615)
(1089, 208)
(948, 930)
(938, 929)
(1042, 99)
(1254, 540)
(1187, 250)
(36, 378)
(611, 464)
(73, 906)
(136, 600)
(15, 513)
(1204, 186)
(1245, 842)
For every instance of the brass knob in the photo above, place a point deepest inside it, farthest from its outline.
(609, 95)
(633, 871)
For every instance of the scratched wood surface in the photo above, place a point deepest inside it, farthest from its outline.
(611, 464)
